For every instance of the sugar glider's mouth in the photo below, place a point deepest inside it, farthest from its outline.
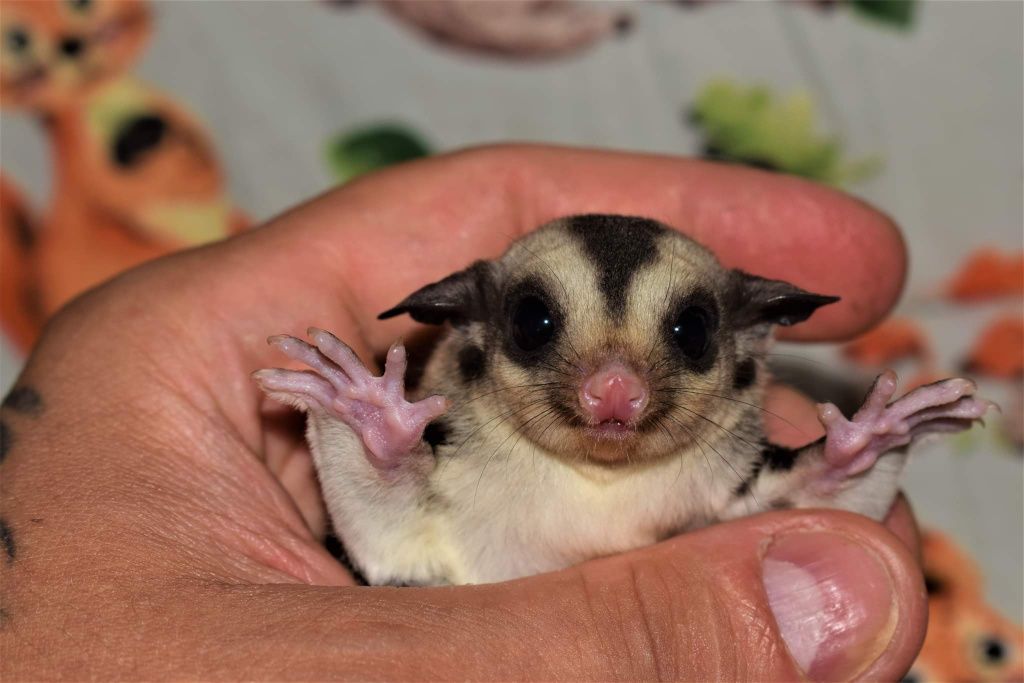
(611, 429)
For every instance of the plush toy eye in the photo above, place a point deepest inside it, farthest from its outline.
(533, 326)
(691, 331)
(17, 40)
(992, 650)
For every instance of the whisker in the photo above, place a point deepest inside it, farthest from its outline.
(736, 400)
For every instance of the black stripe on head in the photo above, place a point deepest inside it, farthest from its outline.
(618, 246)
(746, 374)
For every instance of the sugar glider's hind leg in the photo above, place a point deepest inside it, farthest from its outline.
(856, 465)
(367, 444)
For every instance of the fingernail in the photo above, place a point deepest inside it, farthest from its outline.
(833, 602)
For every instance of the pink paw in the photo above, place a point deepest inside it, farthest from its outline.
(853, 446)
(341, 386)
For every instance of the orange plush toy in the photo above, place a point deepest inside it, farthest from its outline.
(135, 175)
(967, 639)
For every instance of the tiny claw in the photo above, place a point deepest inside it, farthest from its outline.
(828, 413)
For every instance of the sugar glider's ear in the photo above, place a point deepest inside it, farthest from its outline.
(759, 301)
(462, 297)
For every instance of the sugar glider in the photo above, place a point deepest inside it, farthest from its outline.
(598, 389)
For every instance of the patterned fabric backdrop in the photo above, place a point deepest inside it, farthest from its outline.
(169, 124)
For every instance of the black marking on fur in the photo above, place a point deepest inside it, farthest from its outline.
(336, 548)
(24, 231)
(934, 585)
(705, 300)
(472, 362)
(436, 434)
(7, 540)
(534, 359)
(747, 484)
(6, 439)
(779, 458)
(746, 374)
(25, 400)
(619, 247)
(137, 138)
(781, 504)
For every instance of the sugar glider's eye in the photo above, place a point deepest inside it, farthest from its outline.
(691, 331)
(533, 326)
(17, 40)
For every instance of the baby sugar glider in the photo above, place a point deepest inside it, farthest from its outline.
(598, 389)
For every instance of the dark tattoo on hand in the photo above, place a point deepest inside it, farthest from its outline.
(7, 540)
(5, 440)
(24, 400)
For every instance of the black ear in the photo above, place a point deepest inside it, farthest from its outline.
(461, 297)
(759, 301)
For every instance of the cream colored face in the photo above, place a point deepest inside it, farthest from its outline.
(618, 302)
(647, 300)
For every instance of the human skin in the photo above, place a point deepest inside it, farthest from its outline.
(161, 519)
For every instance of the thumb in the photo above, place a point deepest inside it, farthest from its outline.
(821, 595)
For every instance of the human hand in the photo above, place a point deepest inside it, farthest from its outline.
(161, 519)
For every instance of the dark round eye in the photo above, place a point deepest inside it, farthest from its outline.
(992, 650)
(79, 5)
(533, 326)
(691, 331)
(17, 40)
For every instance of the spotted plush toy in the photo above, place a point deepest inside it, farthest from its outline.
(135, 176)
(967, 639)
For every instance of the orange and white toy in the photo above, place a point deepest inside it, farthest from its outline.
(135, 175)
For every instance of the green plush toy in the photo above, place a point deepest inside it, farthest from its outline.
(750, 125)
(372, 147)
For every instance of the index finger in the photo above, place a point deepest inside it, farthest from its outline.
(395, 231)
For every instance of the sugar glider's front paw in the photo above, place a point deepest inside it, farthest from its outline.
(853, 446)
(341, 386)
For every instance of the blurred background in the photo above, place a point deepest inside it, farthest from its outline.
(130, 129)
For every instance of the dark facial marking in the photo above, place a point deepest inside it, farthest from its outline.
(746, 374)
(472, 362)
(779, 458)
(530, 355)
(436, 434)
(680, 323)
(5, 440)
(7, 540)
(748, 483)
(618, 246)
(781, 504)
(25, 400)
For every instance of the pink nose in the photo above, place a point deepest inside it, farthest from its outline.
(614, 392)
